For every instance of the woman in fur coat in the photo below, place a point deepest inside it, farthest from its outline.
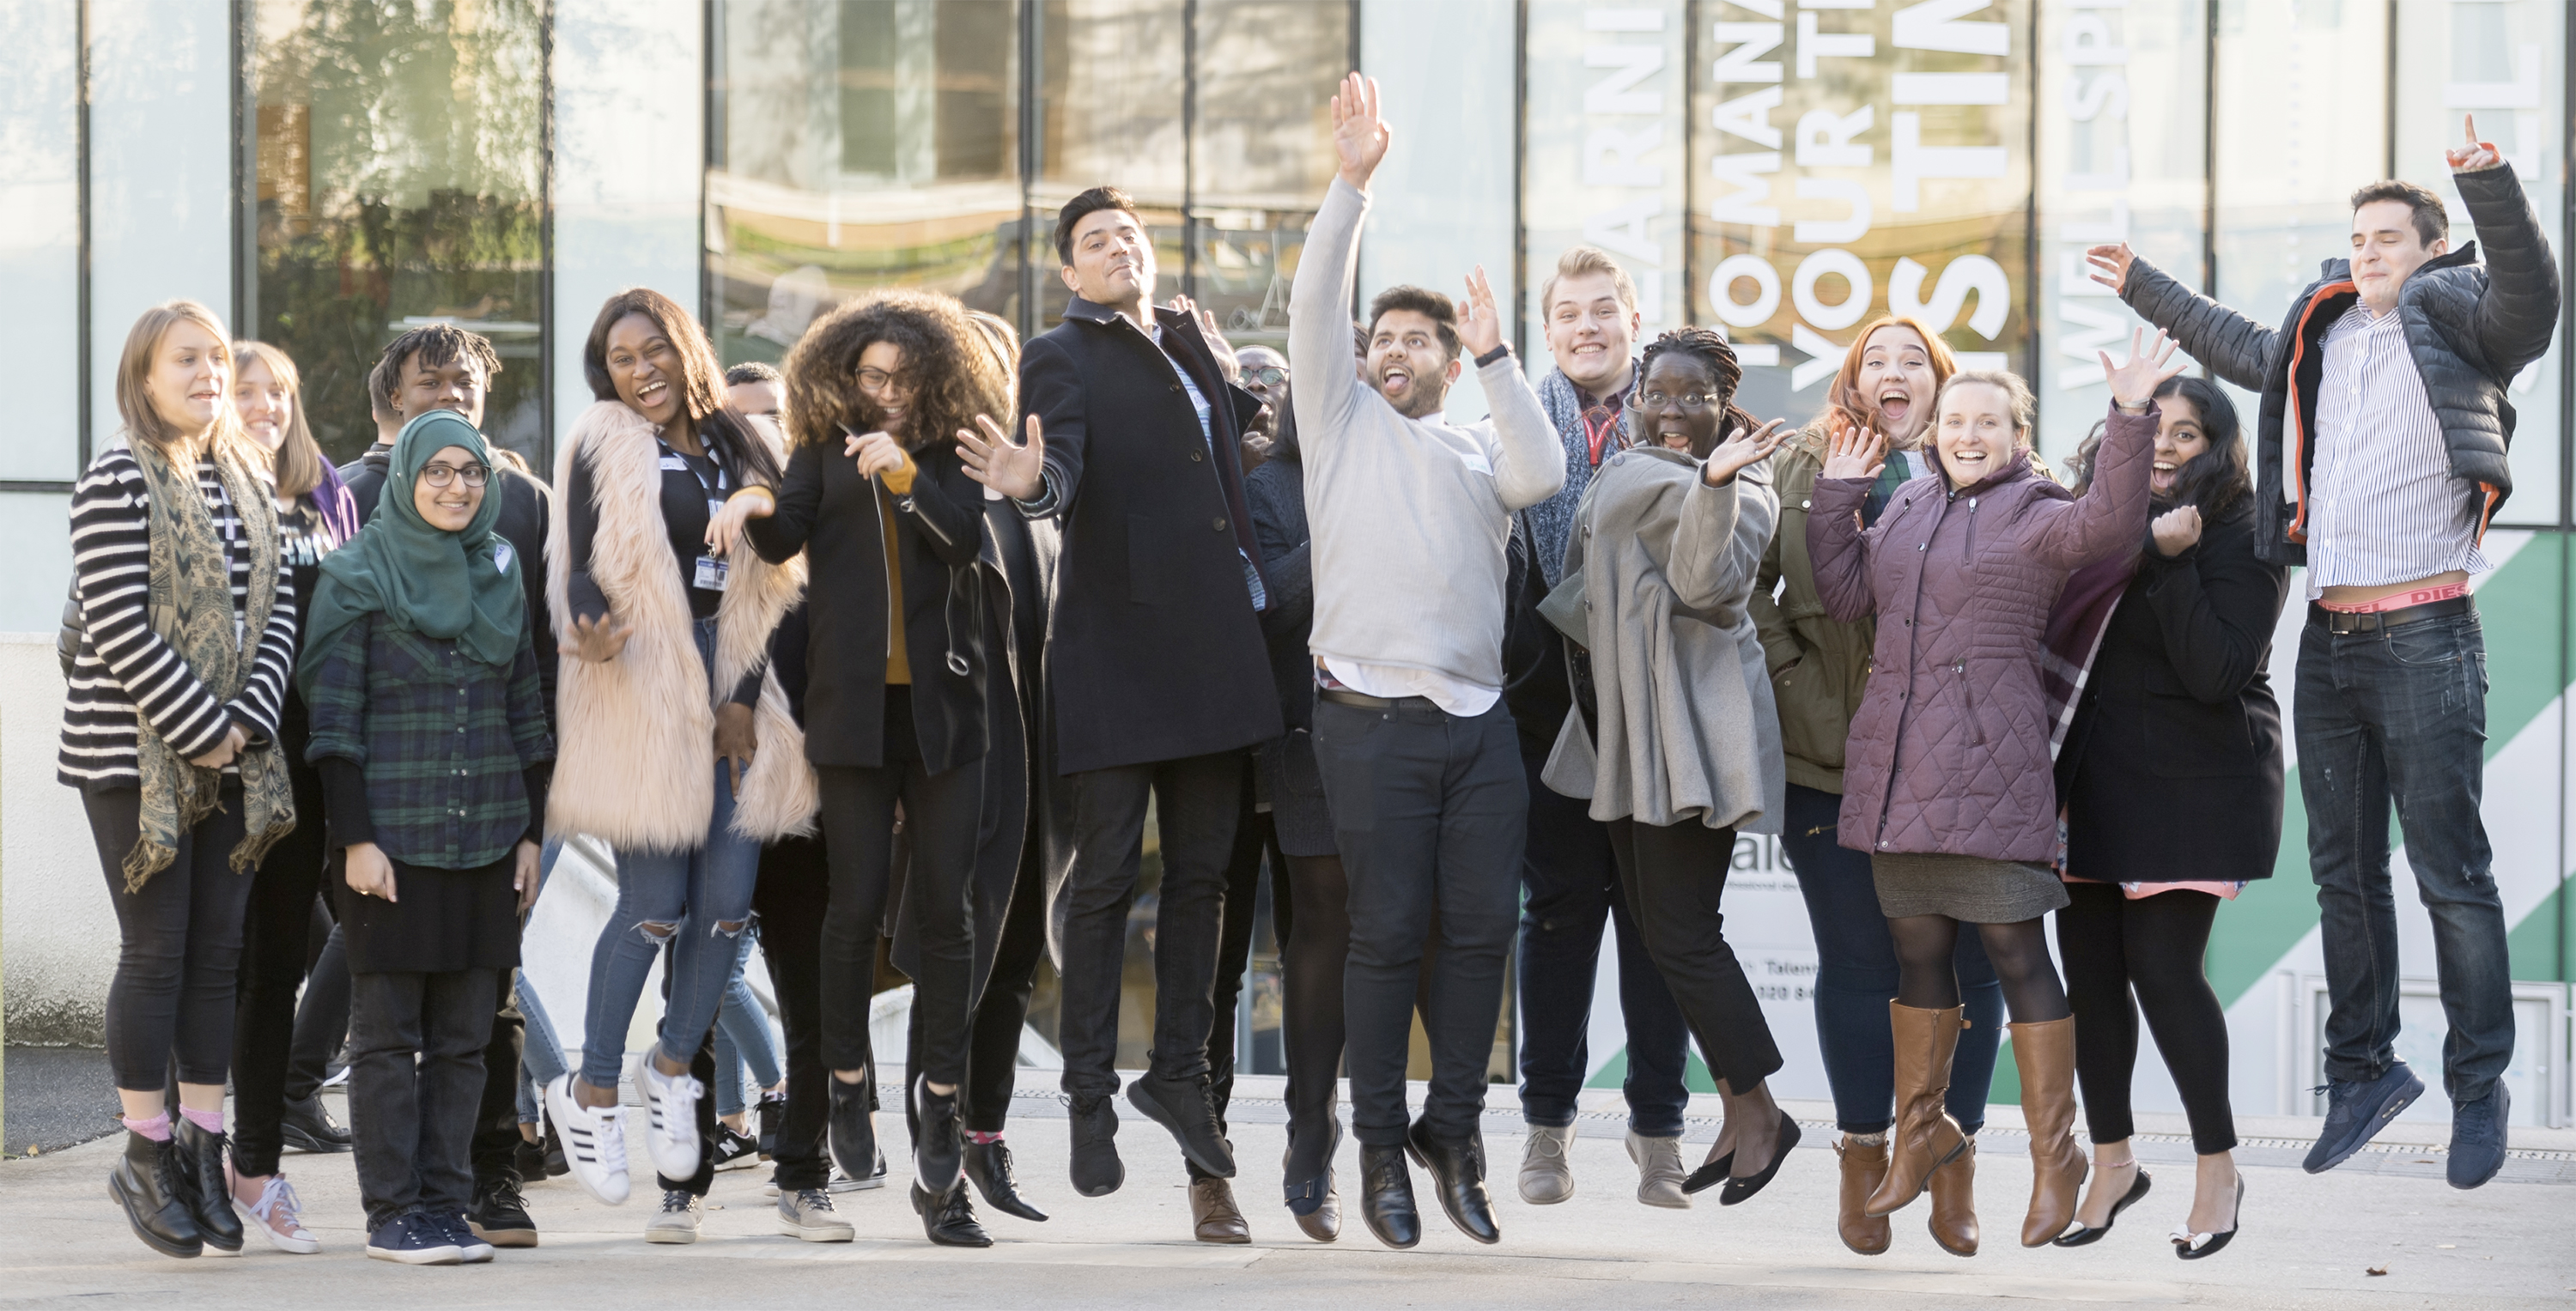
(676, 747)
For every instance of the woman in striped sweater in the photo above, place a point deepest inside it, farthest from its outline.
(170, 732)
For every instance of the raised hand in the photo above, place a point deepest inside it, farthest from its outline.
(2176, 530)
(1013, 470)
(1480, 327)
(1216, 343)
(1852, 452)
(876, 452)
(2111, 264)
(1741, 449)
(2134, 384)
(2479, 155)
(599, 640)
(1359, 135)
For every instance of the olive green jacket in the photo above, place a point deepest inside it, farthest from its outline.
(1818, 666)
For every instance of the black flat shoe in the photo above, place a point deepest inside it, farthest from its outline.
(950, 1220)
(1386, 1197)
(853, 1127)
(989, 1165)
(2083, 1235)
(1457, 1169)
(145, 1182)
(1709, 1174)
(1737, 1190)
(1095, 1167)
(1181, 1106)
(199, 1157)
(939, 1144)
(2191, 1246)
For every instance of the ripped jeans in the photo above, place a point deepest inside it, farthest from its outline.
(703, 896)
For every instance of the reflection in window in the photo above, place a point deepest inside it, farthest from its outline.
(1262, 154)
(399, 181)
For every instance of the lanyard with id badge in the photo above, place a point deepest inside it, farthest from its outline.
(711, 572)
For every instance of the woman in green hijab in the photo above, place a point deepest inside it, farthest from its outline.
(430, 735)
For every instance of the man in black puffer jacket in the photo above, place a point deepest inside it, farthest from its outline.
(2382, 459)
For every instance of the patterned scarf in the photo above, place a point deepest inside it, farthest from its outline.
(191, 608)
(1551, 522)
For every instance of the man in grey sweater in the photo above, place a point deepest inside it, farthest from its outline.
(1411, 515)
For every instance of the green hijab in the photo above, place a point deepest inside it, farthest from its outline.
(461, 585)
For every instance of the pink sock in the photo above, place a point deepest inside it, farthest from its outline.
(979, 1136)
(157, 1128)
(210, 1121)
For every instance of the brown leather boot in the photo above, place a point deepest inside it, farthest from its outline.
(2046, 1055)
(1864, 1165)
(1924, 1137)
(1954, 1204)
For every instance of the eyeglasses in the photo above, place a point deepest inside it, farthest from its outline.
(1691, 402)
(440, 475)
(879, 380)
(1268, 375)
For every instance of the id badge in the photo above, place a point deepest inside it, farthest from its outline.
(711, 574)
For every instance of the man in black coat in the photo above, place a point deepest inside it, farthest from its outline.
(1159, 675)
(2382, 459)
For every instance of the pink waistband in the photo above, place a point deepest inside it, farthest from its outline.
(2402, 600)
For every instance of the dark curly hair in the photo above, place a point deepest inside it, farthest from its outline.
(2219, 480)
(955, 375)
(1714, 352)
(737, 446)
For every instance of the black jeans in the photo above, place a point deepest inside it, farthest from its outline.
(794, 890)
(993, 1054)
(1253, 841)
(1430, 812)
(2154, 945)
(1195, 800)
(275, 929)
(1674, 876)
(415, 1078)
(2401, 716)
(322, 1018)
(496, 1118)
(1856, 978)
(1573, 890)
(178, 955)
(940, 817)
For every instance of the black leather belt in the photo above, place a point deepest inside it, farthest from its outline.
(2341, 623)
(1343, 696)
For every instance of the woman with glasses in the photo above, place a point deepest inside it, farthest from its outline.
(429, 730)
(676, 741)
(1678, 750)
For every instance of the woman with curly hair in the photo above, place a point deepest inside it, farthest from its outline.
(876, 497)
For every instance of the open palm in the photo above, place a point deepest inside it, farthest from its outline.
(1360, 136)
(2150, 362)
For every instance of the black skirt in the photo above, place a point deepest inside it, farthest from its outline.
(441, 920)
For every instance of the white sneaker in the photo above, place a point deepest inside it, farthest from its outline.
(1547, 1173)
(677, 1221)
(808, 1214)
(671, 1117)
(278, 1214)
(594, 1141)
(1659, 1171)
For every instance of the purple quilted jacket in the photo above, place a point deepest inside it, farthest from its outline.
(1949, 751)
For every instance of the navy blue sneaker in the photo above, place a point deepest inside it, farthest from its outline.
(2355, 1110)
(470, 1249)
(2477, 1137)
(412, 1239)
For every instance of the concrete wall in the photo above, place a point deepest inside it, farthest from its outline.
(57, 930)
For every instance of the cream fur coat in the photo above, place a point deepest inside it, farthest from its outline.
(635, 752)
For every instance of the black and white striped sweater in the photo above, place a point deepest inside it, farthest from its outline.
(124, 667)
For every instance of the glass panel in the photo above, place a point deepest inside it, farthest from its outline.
(1261, 153)
(399, 181)
(1604, 162)
(1112, 75)
(861, 144)
(40, 169)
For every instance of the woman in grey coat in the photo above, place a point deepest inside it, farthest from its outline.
(1683, 745)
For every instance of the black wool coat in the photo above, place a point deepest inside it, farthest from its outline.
(2172, 769)
(1154, 651)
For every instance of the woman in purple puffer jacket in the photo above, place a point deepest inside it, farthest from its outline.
(1947, 781)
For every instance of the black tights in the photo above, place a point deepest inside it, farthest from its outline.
(1310, 963)
(1926, 978)
(2154, 945)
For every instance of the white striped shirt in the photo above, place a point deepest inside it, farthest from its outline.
(123, 666)
(2384, 507)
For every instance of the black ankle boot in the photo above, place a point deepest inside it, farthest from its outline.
(950, 1220)
(1386, 1197)
(1182, 1106)
(853, 1128)
(145, 1182)
(201, 1183)
(1095, 1166)
(1457, 1167)
(989, 1165)
(939, 1142)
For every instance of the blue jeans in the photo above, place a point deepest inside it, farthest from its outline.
(541, 1058)
(1572, 888)
(688, 898)
(2401, 716)
(1856, 978)
(742, 1038)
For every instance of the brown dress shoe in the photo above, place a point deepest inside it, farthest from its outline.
(1864, 1165)
(2046, 1055)
(1214, 1218)
(1954, 1204)
(1323, 1224)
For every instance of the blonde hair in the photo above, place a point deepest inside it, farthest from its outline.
(143, 422)
(2017, 397)
(1581, 261)
(298, 458)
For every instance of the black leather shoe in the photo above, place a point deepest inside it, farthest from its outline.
(2081, 1234)
(950, 1220)
(1386, 1197)
(1096, 1169)
(200, 1176)
(989, 1165)
(307, 1126)
(939, 1145)
(1457, 1169)
(145, 1182)
(853, 1127)
(1738, 1189)
(1181, 1105)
